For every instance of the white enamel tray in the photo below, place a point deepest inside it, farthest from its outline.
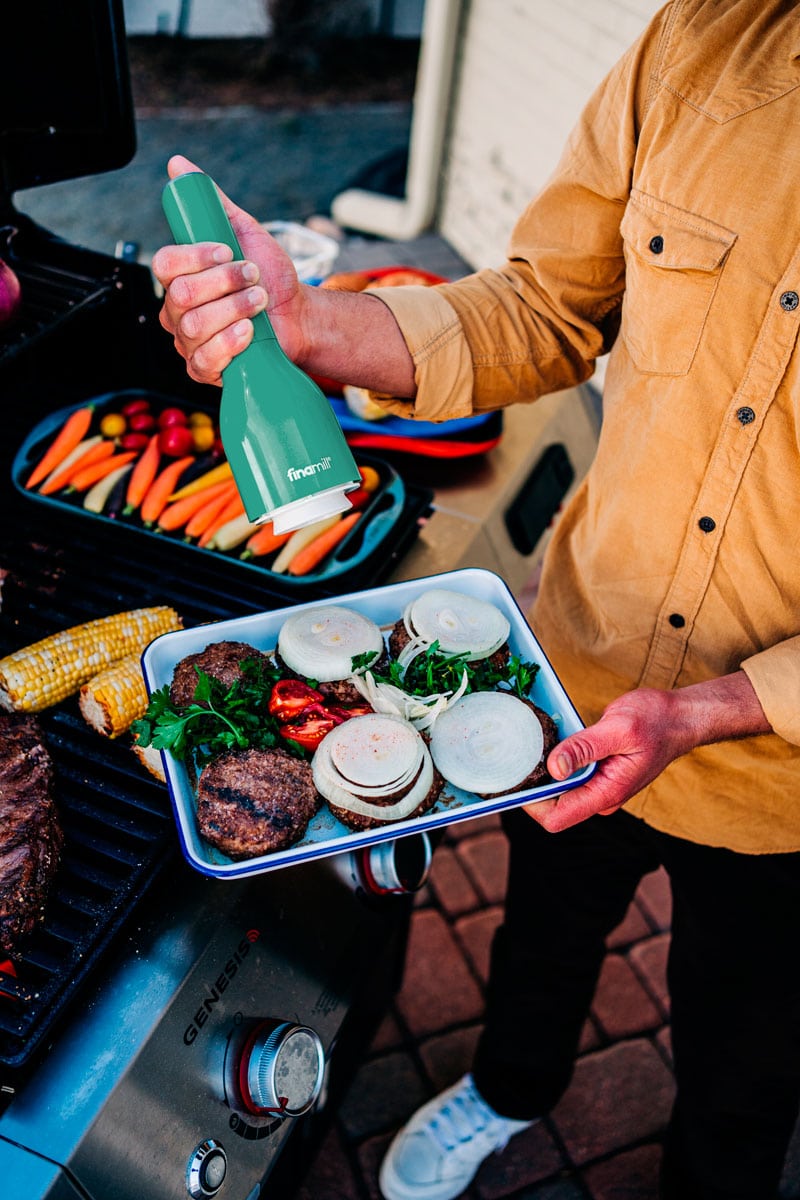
(325, 834)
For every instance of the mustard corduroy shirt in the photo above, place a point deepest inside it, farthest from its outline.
(669, 234)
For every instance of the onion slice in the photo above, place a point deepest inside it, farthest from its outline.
(487, 743)
(321, 642)
(370, 756)
(420, 711)
(461, 624)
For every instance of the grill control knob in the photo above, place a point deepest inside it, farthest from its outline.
(281, 1069)
(206, 1169)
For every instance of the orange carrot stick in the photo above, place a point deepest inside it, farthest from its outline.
(312, 555)
(60, 479)
(161, 488)
(264, 541)
(142, 476)
(177, 514)
(71, 432)
(233, 508)
(200, 522)
(89, 475)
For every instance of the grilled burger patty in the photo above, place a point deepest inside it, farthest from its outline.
(336, 691)
(358, 822)
(30, 833)
(250, 802)
(220, 660)
(539, 774)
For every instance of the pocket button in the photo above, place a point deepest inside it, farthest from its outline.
(657, 244)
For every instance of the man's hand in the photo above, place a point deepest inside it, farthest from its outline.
(640, 734)
(209, 300)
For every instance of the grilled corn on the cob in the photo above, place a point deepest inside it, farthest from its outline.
(113, 699)
(48, 671)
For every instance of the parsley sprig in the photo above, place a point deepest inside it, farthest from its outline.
(219, 718)
(433, 671)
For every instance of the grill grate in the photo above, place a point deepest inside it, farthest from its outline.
(117, 821)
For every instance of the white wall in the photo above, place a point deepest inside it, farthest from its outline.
(525, 70)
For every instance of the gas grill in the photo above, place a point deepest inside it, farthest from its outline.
(131, 1017)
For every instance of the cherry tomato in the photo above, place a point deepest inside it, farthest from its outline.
(203, 437)
(113, 425)
(171, 416)
(141, 421)
(308, 733)
(133, 441)
(140, 405)
(200, 418)
(370, 479)
(359, 497)
(290, 697)
(175, 441)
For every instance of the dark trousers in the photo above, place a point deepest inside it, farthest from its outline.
(734, 979)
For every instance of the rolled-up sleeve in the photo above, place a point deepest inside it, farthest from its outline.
(775, 676)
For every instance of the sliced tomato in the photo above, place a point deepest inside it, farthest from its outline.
(308, 733)
(290, 697)
(354, 710)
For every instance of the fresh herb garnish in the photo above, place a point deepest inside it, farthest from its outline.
(219, 718)
(434, 672)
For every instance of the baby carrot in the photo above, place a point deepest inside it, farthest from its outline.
(72, 431)
(60, 479)
(89, 475)
(142, 476)
(176, 514)
(155, 499)
(215, 475)
(212, 508)
(312, 555)
(234, 508)
(264, 541)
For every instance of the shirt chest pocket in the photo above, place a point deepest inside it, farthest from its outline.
(673, 263)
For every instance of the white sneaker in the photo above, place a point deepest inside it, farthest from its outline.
(437, 1154)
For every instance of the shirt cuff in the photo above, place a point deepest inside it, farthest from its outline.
(775, 676)
(442, 362)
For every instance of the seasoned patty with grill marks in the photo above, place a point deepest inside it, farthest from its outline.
(220, 660)
(251, 802)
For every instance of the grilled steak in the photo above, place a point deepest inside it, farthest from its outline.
(221, 660)
(30, 834)
(250, 802)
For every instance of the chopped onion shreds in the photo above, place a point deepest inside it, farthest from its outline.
(420, 711)
(487, 743)
(321, 642)
(461, 624)
(371, 756)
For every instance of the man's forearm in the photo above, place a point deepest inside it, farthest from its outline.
(356, 338)
(720, 709)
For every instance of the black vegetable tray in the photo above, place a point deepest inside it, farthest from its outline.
(373, 538)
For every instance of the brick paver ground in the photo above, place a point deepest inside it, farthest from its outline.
(602, 1141)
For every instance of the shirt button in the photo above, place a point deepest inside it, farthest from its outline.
(789, 300)
(707, 524)
(657, 245)
(745, 415)
(677, 621)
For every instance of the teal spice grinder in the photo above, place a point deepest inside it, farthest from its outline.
(286, 449)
